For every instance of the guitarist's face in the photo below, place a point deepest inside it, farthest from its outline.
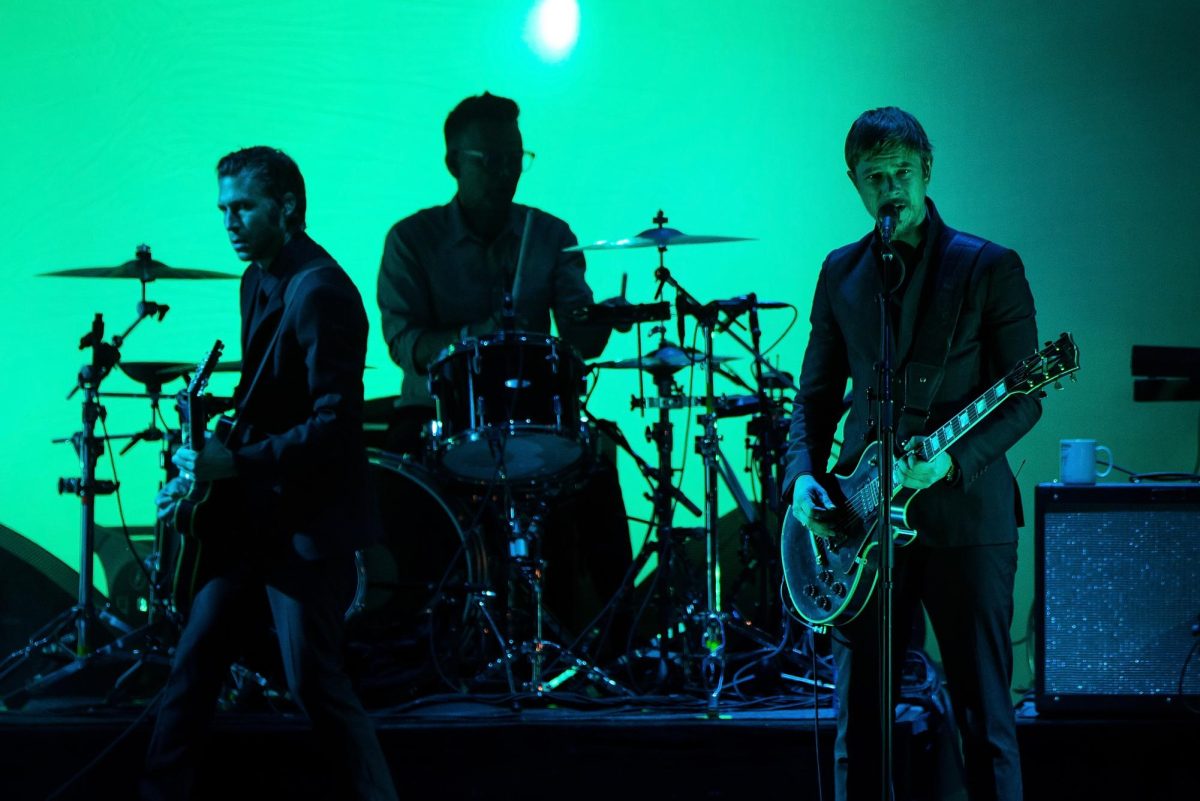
(256, 223)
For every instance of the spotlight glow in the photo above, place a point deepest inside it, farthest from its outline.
(553, 28)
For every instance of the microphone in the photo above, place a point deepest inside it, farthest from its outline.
(886, 220)
(739, 303)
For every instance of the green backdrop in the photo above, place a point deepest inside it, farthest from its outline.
(1065, 130)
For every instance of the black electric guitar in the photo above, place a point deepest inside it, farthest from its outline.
(831, 579)
(198, 510)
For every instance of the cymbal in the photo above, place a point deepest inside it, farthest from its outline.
(155, 374)
(665, 359)
(143, 268)
(657, 238)
(149, 270)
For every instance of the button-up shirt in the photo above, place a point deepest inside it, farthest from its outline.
(438, 279)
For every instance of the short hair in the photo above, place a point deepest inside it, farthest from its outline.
(277, 172)
(883, 129)
(486, 106)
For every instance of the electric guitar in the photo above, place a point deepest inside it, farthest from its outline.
(195, 511)
(831, 579)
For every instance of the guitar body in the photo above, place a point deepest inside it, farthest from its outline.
(831, 580)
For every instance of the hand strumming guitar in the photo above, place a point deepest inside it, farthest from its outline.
(812, 506)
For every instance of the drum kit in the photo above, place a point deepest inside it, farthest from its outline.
(461, 567)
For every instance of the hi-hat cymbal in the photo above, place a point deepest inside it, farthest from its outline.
(657, 238)
(143, 268)
(665, 359)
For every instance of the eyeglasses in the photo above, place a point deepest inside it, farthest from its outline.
(495, 160)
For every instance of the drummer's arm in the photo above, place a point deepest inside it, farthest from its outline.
(571, 292)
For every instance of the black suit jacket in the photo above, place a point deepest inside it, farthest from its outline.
(298, 447)
(995, 329)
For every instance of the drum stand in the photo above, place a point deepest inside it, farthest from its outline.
(526, 574)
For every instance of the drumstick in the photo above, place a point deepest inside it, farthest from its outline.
(516, 291)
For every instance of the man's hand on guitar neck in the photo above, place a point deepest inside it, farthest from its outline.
(214, 462)
(812, 506)
(918, 474)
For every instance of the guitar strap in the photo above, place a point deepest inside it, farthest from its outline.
(292, 288)
(924, 372)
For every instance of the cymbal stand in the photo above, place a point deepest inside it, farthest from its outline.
(708, 446)
(83, 618)
(663, 498)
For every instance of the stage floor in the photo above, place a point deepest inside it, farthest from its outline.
(652, 748)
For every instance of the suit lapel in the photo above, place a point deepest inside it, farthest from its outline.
(862, 286)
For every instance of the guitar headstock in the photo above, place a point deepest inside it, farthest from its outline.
(1059, 358)
(204, 371)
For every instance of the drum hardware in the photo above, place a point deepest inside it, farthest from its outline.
(508, 408)
(533, 658)
(705, 617)
(658, 237)
(143, 268)
(631, 314)
(76, 629)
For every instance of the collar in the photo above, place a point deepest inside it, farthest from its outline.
(458, 224)
(287, 262)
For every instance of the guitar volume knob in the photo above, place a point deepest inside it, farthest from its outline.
(825, 576)
(810, 590)
(824, 603)
(839, 589)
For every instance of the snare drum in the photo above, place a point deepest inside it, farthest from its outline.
(508, 407)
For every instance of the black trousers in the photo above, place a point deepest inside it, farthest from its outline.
(968, 593)
(307, 601)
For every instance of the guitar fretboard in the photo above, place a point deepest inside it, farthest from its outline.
(865, 499)
(964, 421)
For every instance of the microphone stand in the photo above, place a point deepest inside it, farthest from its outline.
(886, 547)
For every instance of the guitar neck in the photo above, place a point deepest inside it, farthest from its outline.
(193, 432)
(958, 425)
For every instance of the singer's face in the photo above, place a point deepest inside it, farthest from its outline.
(894, 176)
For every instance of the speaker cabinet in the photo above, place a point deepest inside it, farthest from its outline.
(1118, 596)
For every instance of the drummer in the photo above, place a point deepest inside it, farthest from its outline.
(444, 275)
(445, 269)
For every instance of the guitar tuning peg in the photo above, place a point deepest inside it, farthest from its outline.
(1058, 385)
(1074, 378)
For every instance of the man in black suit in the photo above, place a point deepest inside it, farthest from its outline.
(296, 462)
(962, 316)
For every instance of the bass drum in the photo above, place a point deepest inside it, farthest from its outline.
(413, 621)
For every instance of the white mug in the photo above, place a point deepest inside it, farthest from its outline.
(1077, 463)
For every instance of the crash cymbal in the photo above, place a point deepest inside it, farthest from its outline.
(657, 238)
(143, 268)
(665, 359)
